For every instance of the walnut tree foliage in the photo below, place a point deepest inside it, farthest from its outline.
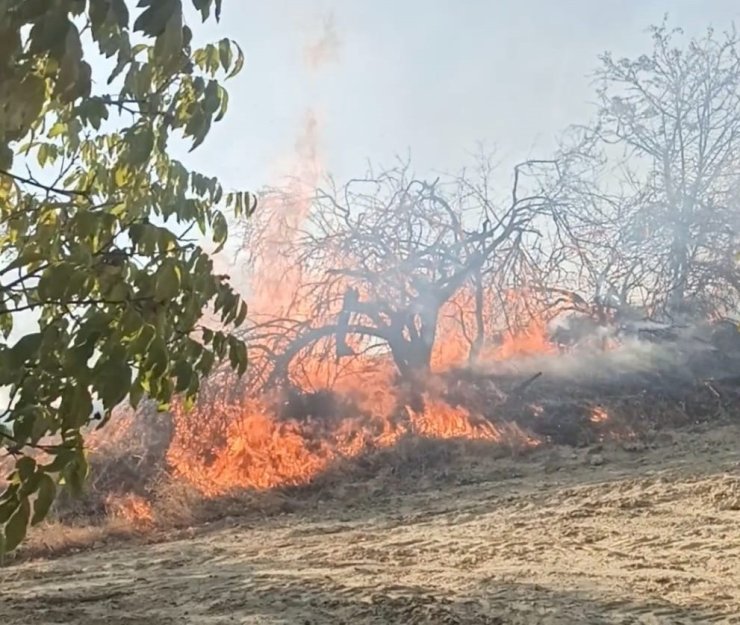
(99, 226)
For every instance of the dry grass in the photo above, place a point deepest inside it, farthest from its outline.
(104, 516)
(647, 536)
(132, 494)
(53, 538)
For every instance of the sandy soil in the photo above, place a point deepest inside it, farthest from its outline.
(639, 535)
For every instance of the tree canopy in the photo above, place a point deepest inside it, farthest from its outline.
(99, 227)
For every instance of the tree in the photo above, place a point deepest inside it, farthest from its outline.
(383, 259)
(95, 227)
(675, 114)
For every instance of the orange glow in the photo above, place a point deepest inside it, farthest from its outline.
(132, 508)
(260, 452)
(440, 420)
(221, 447)
(599, 415)
(244, 443)
(529, 341)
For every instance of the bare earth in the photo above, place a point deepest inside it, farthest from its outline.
(619, 536)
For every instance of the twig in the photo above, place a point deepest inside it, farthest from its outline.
(519, 389)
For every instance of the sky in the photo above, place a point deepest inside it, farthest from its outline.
(433, 79)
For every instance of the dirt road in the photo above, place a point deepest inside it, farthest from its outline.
(620, 536)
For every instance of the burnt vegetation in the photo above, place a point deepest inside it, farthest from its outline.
(589, 294)
(626, 237)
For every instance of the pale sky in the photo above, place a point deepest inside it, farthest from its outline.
(433, 77)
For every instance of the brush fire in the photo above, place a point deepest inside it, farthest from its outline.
(394, 309)
(409, 310)
(508, 393)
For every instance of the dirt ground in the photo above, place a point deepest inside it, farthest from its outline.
(624, 534)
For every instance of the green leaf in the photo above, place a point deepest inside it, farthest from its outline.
(17, 525)
(55, 281)
(42, 154)
(143, 339)
(120, 11)
(154, 19)
(226, 54)
(242, 315)
(158, 358)
(47, 490)
(26, 349)
(121, 175)
(6, 157)
(62, 457)
(237, 355)
(26, 467)
(141, 144)
(77, 402)
(239, 64)
(8, 505)
(204, 7)
(75, 473)
(184, 373)
(57, 130)
(167, 285)
(112, 380)
(220, 230)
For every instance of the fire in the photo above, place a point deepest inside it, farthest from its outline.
(524, 334)
(131, 508)
(529, 341)
(599, 415)
(246, 443)
(259, 452)
(442, 421)
(262, 452)
(224, 446)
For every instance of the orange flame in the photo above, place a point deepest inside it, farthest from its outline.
(599, 415)
(247, 446)
(440, 420)
(132, 508)
(529, 341)
(260, 452)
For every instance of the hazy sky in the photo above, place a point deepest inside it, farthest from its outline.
(433, 77)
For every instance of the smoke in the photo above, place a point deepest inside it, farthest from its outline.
(285, 201)
(325, 49)
(605, 358)
(307, 149)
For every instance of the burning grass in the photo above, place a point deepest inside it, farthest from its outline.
(376, 378)
(156, 472)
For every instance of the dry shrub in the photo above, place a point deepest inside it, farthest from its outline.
(127, 457)
(132, 492)
(54, 538)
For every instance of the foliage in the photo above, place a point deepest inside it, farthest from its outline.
(95, 221)
(673, 116)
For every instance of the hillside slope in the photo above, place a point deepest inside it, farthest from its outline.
(563, 536)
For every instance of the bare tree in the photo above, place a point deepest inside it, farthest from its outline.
(675, 116)
(384, 256)
(635, 217)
